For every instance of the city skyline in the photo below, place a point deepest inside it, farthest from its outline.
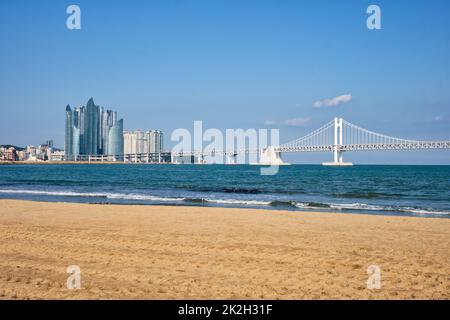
(294, 66)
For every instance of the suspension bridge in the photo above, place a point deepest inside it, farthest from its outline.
(339, 136)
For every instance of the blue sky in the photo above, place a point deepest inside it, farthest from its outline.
(233, 64)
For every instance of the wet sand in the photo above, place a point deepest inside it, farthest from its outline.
(162, 252)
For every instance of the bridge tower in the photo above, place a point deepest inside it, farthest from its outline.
(337, 146)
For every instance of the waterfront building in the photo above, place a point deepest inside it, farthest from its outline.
(57, 156)
(155, 141)
(68, 142)
(129, 140)
(10, 154)
(115, 139)
(92, 130)
(143, 142)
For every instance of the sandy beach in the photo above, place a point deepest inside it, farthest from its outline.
(159, 252)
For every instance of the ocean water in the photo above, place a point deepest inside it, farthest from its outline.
(393, 190)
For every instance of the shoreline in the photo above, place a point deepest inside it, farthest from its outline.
(203, 164)
(184, 252)
(195, 203)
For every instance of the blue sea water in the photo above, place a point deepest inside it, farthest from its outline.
(394, 190)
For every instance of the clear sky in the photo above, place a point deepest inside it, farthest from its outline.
(231, 63)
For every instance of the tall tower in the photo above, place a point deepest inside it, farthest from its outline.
(337, 146)
(115, 139)
(91, 129)
(68, 142)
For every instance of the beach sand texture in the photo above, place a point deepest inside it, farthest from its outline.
(162, 252)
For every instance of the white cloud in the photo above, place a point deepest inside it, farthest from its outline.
(297, 122)
(438, 118)
(269, 122)
(333, 101)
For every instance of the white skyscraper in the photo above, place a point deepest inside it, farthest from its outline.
(143, 142)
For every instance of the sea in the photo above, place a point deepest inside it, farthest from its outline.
(369, 189)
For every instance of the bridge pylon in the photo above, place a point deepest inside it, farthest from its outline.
(337, 147)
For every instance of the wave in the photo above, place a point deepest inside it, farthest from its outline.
(358, 207)
(313, 205)
(367, 195)
(423, 211)
(228, 201)
(380, 208)
(283, 204)
(132, 196)
(55, 193)
(241, 190)
(142, 197)
(224, 190)
(119, 196)
(279, 204)
(298, 205)
(239, 202)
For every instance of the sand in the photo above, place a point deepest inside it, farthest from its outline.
(162, 252)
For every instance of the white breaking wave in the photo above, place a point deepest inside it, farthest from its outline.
(422, 211)
(300, 205)
(55, 193)
(363, 206)
(123, 196)
(141, 197)
(369, 207)
(242, 202)
(129, 196)
(357, 206)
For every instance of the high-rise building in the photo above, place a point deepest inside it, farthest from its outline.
(68, 144)
(91, 130)
(129, 141)
(107, 119)
(155, 141)
(115, 139)
(141, 142)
